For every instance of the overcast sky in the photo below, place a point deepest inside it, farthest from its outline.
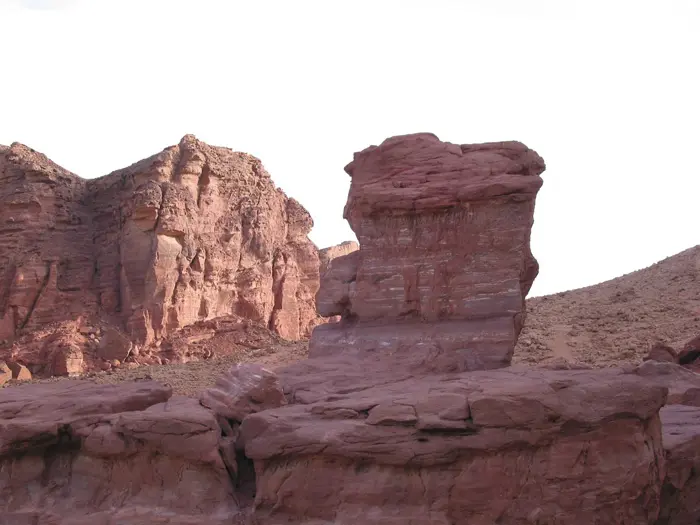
(607, 91)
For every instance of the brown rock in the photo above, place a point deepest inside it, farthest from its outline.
(680, 503)
(245, 389)
(662, 353)
(68, 361)
(76, 452)
(510, 446)
(683, 385)
(114, 344)
(327, 255)
(690, 352)
(444, 262)
(193, 233)
(19, 371)
(5, 373)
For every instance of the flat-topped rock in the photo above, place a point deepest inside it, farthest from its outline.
(506, 446)
(75, 452)
(444, 262)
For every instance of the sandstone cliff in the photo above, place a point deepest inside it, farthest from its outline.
(193, 233)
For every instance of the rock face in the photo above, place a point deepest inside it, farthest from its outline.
(193, 233)
(244, 390)
(444, 263)
(681, 493)
(504, 446)
(326, 255)
(78, 453)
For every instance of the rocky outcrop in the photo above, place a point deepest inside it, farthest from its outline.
(326, 255)
(78, 453)
(509, 446)
(681, 492)
(444, 263)
(193, 233)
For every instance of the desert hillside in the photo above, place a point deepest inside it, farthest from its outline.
(616, 321)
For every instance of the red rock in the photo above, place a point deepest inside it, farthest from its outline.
(193, 233)
(5, 373)
(19, 371)
(680, 503)
(244, 390)
(683, 385)
(661, 352)
(690, 352)
(509, 446)
(444, 262)
(327, 255)
(77, 452)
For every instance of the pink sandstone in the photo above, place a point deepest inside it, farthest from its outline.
(444, 263)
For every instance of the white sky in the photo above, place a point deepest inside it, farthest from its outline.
(607, 91)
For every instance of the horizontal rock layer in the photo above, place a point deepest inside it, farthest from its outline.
(509, 447)
(444, 234)
(79, 453)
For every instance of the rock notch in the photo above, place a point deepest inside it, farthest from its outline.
(444, 263)
(193, 233)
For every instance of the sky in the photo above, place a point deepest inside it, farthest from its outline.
(606, 91)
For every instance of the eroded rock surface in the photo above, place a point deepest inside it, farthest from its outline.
(681, 493)
(78, 453)
(512, 446)
(444, 263)
(326, 255)
(193, 233)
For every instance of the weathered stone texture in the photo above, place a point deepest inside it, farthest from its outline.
(193, 233)
(444, 263)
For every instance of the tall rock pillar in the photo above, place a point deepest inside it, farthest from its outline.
(444, 263)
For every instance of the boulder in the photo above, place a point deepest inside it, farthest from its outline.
(444, 262)
(690, 352)
(19, 371)
(76, 452)
(245, 389)
(509, 446)
(191, 234)
(5, 373)
(662, 353)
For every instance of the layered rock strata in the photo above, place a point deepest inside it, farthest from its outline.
(510, 446)
(444, 263)
(76, 453)
(193, 233)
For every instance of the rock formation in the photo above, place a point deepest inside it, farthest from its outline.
(505, 446)
(444, 263)
(357, 436)
(326, 255)
(193, 233)
(74, 452)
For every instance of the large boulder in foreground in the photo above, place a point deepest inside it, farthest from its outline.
(511, 446)
(77, 453)
(193, 233)
(444, 263)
